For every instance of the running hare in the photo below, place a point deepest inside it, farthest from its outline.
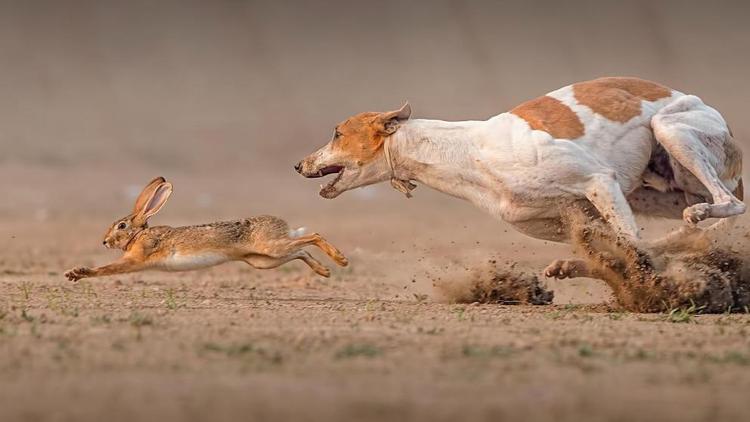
(263, 242)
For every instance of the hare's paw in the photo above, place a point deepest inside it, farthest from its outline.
(78, 273)
(325, 272)
(340, 259)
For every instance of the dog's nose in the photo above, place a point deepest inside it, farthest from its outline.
(298, 167)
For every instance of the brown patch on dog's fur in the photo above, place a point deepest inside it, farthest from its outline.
(618, 99)
(550, 115)
(361, 136)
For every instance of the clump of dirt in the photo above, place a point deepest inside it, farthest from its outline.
(689, 268)
(496, 283)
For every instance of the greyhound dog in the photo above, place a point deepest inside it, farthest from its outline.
(626, 145)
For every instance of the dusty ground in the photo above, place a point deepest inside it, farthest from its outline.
(370, 343)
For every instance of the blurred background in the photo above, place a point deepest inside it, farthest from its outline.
(223, 97)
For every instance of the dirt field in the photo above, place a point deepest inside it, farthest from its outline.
(373, 342)
(222, 98)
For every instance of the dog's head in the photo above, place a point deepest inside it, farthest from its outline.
(355, 153)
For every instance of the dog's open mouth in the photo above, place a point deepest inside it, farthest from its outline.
(329, 189)
(329, 170)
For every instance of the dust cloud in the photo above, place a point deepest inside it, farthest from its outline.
(702, 269)
(498, 283)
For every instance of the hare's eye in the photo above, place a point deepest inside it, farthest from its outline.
(121, 226)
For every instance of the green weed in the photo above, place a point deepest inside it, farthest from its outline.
(357, 350)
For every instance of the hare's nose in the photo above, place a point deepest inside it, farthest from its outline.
(104, 242)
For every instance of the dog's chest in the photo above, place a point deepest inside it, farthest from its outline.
(185, 261)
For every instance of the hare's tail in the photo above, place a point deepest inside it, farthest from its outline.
(294, 233)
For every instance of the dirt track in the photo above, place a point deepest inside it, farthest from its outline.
(367, 344)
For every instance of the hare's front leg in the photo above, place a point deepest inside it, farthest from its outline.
(118, 267)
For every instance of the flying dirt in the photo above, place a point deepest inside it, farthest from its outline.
(496, 283)
(705, 270)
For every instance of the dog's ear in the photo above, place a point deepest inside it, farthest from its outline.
(391, 119)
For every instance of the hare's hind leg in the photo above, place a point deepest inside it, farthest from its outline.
(318, 240)
(264, 262)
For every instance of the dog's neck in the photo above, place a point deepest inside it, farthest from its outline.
(439, 154)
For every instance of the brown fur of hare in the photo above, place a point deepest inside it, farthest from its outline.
(263, 242)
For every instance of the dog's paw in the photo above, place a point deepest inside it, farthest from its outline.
(77, 273)
(564, 268)
(696, 213)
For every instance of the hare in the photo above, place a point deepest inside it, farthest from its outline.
(263, 242)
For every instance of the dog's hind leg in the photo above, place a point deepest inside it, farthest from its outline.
(697, 137)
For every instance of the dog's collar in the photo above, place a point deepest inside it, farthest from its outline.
(401, 185)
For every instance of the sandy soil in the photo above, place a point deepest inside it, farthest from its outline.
(373, 342)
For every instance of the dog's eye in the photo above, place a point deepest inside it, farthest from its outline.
(122, 226)
(336, 134)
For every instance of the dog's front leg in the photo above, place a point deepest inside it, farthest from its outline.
(603, 191)
(120, 266)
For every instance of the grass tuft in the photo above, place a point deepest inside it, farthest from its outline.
(684, 315)
(358, 350)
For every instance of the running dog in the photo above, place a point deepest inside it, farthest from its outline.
(625, 144)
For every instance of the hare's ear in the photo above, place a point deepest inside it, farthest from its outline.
(155, 203)
(146, 194)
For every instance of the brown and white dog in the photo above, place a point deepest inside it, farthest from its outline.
(624, 144)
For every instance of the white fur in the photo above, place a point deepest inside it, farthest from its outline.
(526, 176)
(185, 262)
(295, 233)
(523, 176)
